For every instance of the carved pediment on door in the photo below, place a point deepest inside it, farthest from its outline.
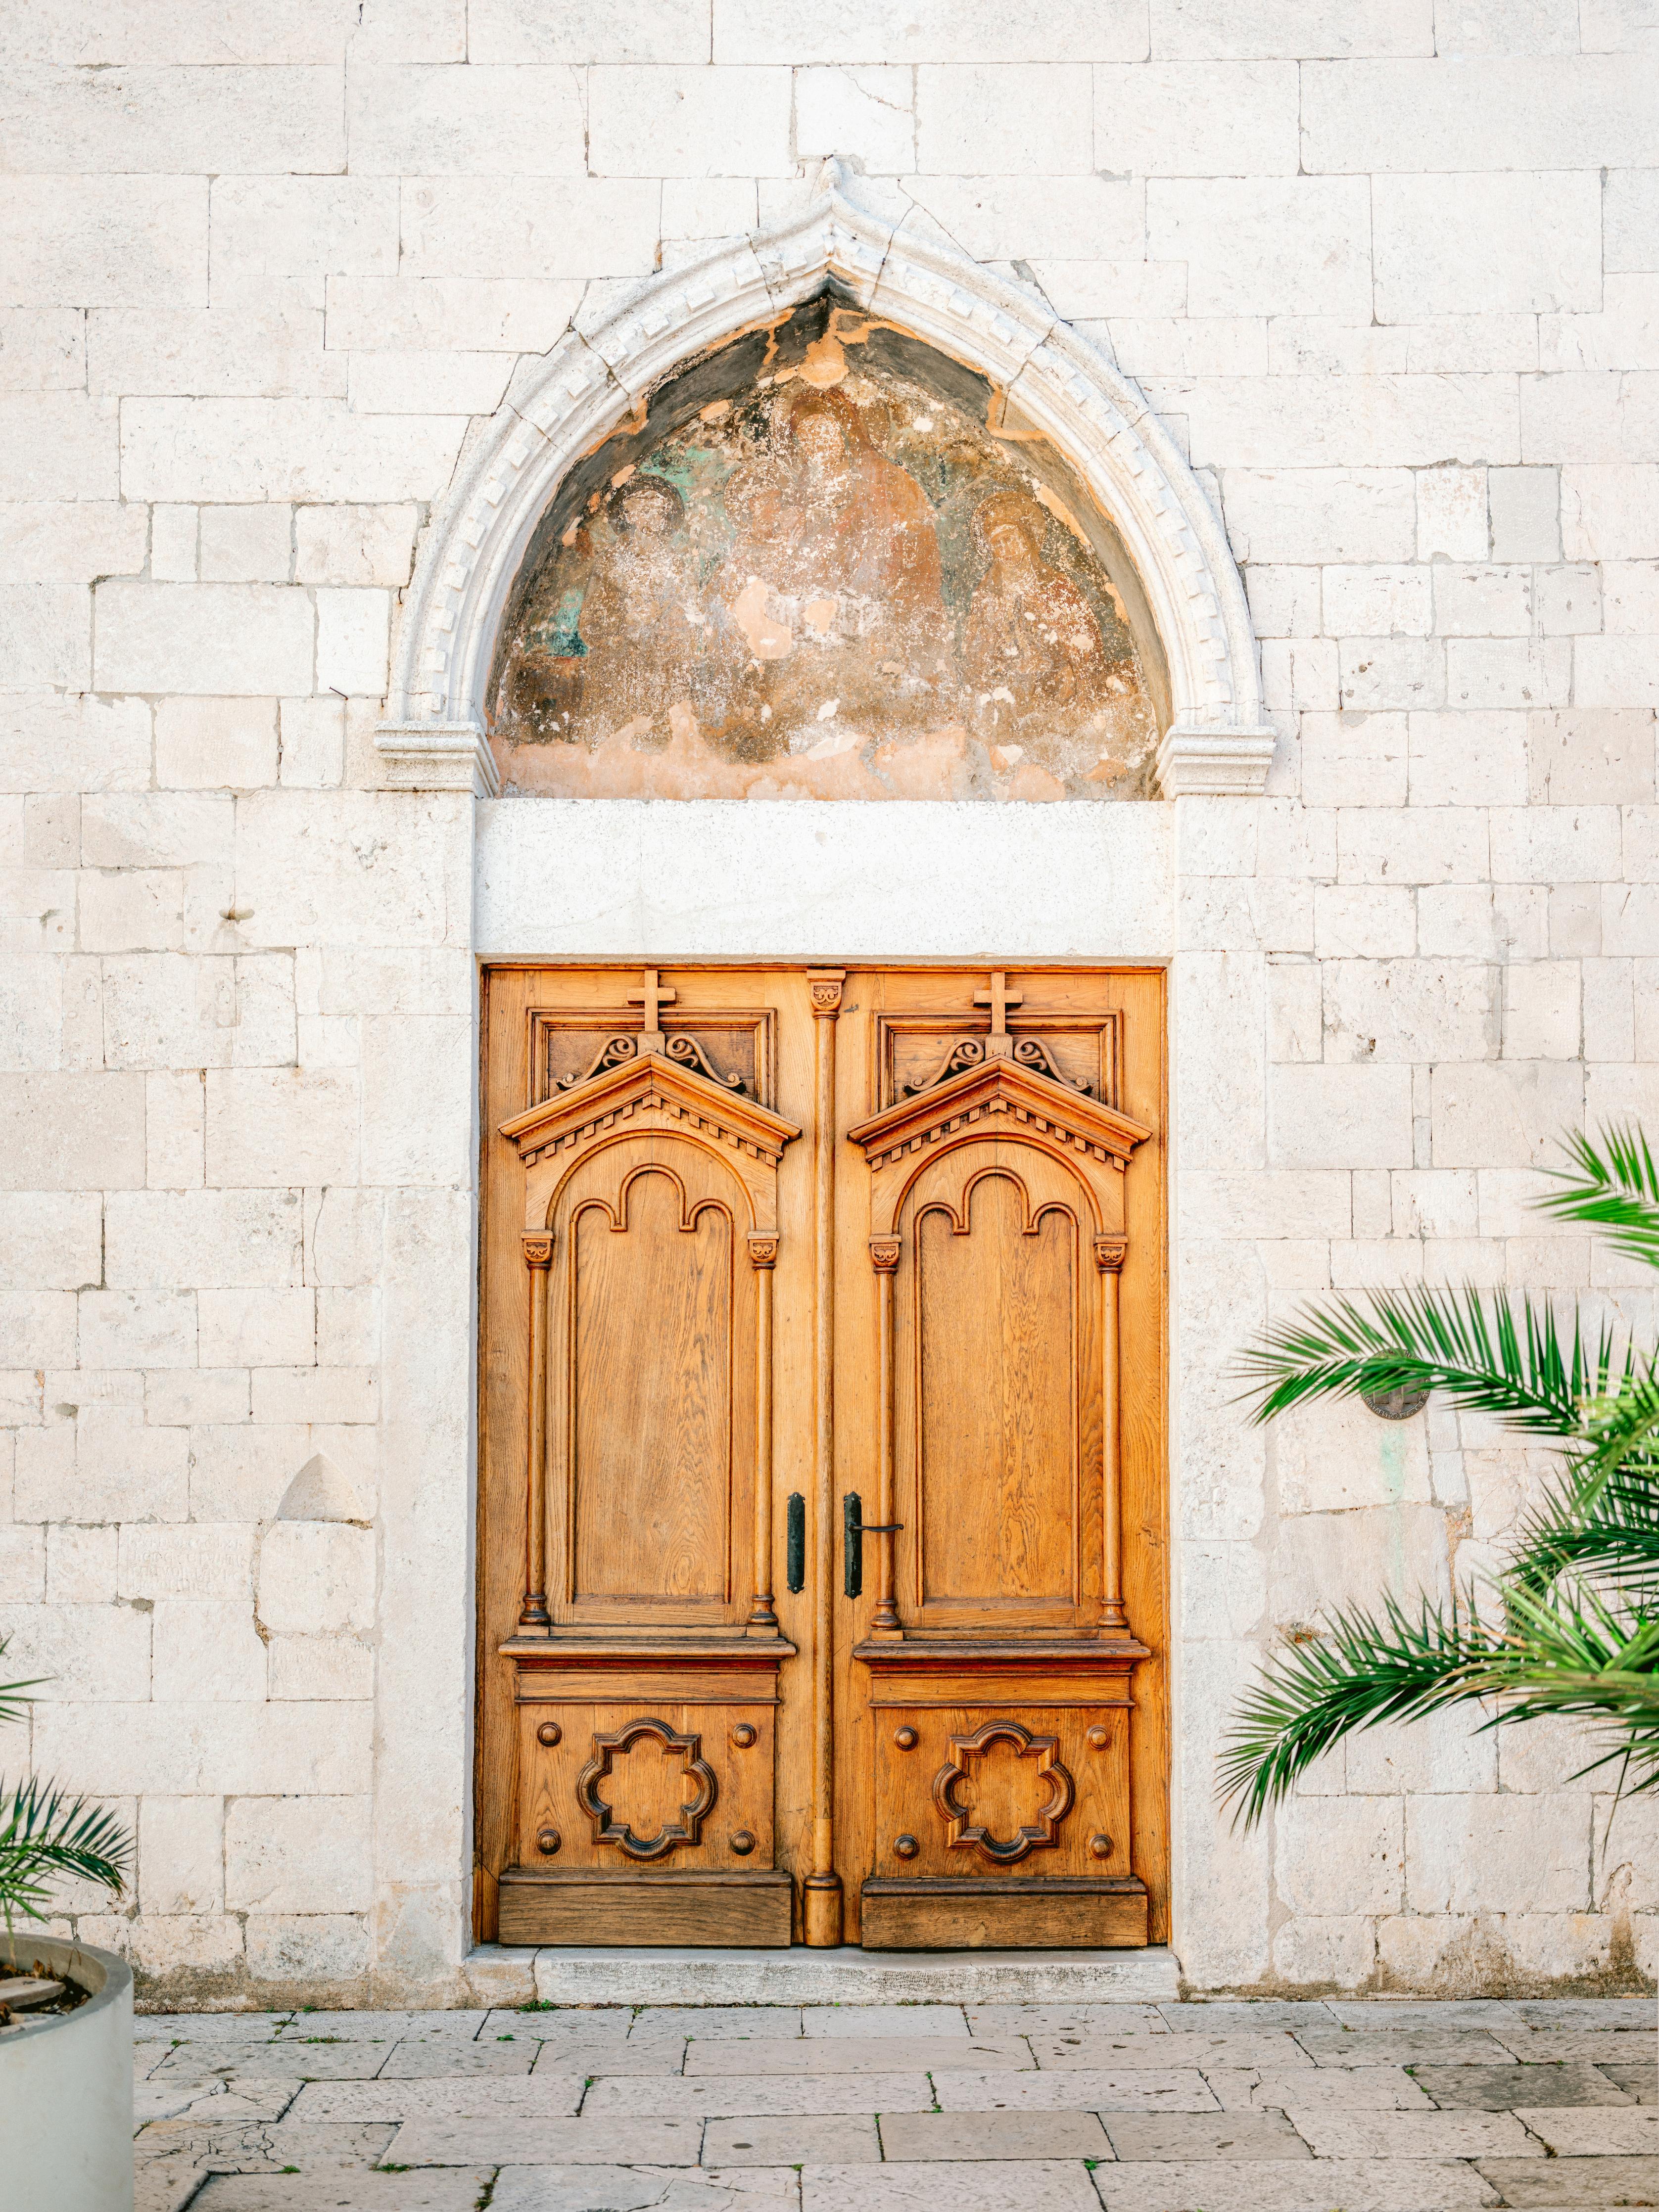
(998, 1098)
(645, 1093)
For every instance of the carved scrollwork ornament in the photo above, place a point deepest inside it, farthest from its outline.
(884, 1253)
(825, 985)
(763, 1249)
(1110, 1252)
(607, 1749)
(614, 1053)
(537, 1251)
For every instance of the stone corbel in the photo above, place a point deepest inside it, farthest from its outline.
(437, 757)
(1230, 761)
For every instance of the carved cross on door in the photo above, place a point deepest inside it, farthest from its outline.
(652, 998)
(999, 999)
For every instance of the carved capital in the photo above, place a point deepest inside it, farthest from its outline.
(537, 1251)
(1109, 1254)
(884, 1253)
(825, 984)
(763, 1249)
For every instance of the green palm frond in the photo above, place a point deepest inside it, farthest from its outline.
(1573, 1656)
(1489, 1354)
(1613, 1186)
(14, 1698)
(1361, 1670)
(47, 1836)
(1604, 1525)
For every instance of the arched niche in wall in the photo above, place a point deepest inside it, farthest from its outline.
(836, 513)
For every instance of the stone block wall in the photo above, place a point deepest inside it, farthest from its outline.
(1391, 272)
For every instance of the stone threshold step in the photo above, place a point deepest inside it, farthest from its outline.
(847, 1976)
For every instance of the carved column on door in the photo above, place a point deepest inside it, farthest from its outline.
(884, 1258)
(763, 1257)
(533, 1614)
(1109, 1252)
(823, 1887)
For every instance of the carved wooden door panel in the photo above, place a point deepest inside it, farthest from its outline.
(1002, 1666)
(821, 1563)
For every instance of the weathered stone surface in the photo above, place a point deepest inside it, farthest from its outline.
(958, 2135)
(1197, 2135)
(839, 2139)
(846, 2054)
(974, 2187)
(1291, 2185)
(599, 2141)
(1574, 2183)
(1507, 2088)
(1137, 2089)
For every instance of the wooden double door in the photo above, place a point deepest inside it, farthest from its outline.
(822, 1588)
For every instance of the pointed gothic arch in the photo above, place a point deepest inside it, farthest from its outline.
(1217, 738)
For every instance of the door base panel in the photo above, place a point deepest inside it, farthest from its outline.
(919, 1915)
(740, 1911)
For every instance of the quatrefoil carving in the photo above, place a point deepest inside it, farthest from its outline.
(963, 1832)
(607, 1751)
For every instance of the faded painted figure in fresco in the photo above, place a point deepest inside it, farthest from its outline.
(839, 588)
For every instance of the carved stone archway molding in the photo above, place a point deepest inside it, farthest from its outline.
(1218, 740)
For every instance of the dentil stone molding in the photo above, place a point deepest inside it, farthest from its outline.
(1219, 741)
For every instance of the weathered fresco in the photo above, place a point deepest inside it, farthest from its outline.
(835, 580)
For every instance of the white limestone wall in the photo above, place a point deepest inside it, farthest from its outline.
(1392, 271)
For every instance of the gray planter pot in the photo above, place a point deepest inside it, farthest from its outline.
(66, 2086)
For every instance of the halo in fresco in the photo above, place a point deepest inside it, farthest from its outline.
(838, 585)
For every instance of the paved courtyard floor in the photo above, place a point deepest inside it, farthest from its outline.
(1369, 2107)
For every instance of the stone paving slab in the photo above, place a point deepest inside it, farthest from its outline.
(1291, 2185)
(1001, 2020)
(384, 2027)
(1596, 2132)
(826, 2138)
(469, 2097)
(993, 2187)
(1363, 2106)
(1591, 2044)
(1603, 2013)
(433, 2057)
(1574, 2185)
(456, 2190)
(266, 2061)
(1177, 2089)
(952, 2135)
(1139, 2136)
(905, 2020)
(1325, 2088)
(1277, 2049)
(664, 2055)
(1408, 2046)
(1414, 2135)
(1505, 2088)
(644, 2189)
(613, 2140)
(1638, 2078)
(852, 2054)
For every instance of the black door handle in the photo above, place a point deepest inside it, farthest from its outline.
(855, 1529)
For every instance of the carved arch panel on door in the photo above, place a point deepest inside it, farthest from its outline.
(650, 1231)
(996, 1218)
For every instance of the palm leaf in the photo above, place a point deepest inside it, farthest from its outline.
(1361, 1670)
(1495, 1355)
(1606, 1527)
(47, 1836)
(1613, 1186)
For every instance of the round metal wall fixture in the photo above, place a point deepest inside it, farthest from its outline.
(1395, 1405)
